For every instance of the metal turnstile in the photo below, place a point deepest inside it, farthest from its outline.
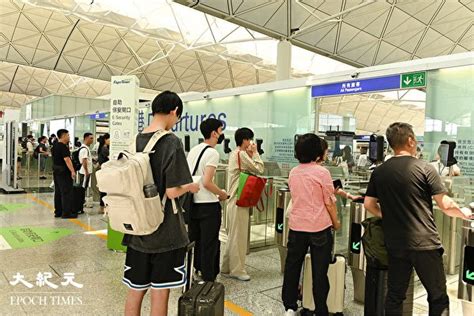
(357, 261)
(450, 233)
(466, 271)
(281, 224)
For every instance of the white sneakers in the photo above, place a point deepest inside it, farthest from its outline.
(244, 277)
(290, 312)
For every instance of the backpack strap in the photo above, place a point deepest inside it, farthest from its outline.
(153, 140)
(199, 160)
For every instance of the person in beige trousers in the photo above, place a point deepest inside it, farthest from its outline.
(233, 264)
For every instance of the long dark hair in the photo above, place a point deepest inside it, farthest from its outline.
(102, 140)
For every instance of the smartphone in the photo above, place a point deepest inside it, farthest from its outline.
(337, 184)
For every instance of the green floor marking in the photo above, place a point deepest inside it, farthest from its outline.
(26, 237)
(10, 207)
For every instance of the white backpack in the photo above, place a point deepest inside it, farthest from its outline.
(123, 180)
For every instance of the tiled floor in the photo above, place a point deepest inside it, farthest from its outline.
(100, 271)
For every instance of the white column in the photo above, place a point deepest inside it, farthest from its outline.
(346, 123)
(124, 98)
(283, 66)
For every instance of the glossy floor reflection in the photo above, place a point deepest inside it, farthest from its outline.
(83, 252)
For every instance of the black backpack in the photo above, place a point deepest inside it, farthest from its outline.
(76, 163)
(36, 152)
(374, 243)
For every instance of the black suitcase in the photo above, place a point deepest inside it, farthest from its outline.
(202, 299)
(375, 291)
(78, 198)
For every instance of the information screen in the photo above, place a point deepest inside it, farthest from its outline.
(468, 270)
(279, 220)
(356, 238)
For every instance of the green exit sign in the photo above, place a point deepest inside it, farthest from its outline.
(413, 80)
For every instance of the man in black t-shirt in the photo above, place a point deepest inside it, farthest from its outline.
(63, 174)
(401, 192)
(156, 261)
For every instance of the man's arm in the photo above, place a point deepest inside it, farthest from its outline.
(208, 183)
(70, 166)
(332, 210)
(450, 208)
(371, 204)
(176, 192)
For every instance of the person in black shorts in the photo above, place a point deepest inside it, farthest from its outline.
(401, 191)
(156, 261)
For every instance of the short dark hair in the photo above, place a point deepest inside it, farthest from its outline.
(61, 132)
(308, 148)
(324, 145)
(29, 137)
(87, 135)
(167, 101)
(398, 133)
(242, 134)
(208, 126)
(42, 138)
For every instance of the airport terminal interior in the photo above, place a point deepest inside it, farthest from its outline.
(341, 69)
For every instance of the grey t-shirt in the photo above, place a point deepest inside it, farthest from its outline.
(404, 187)
(170, 169)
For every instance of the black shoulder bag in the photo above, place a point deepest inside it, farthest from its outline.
(187, 198)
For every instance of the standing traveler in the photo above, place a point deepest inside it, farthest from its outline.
(157, 261)
(41, 153)
(63, 174)
(30, 149)
(442, 170)
(363, 160)
(311, 220)
(233, 264)
(85, 158)
(19, 159)
(206, 212)
(401, 192)
(52, 140)
(103, 153)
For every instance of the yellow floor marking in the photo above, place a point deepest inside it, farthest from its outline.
(237, 309)
(72, 220)
(228, 304)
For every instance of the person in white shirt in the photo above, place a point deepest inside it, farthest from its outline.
(363, 159)
(85, 157)
(206, 212)
(442, 170)
(30, 146)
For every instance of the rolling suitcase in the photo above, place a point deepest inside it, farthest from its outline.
(203, 298)
(375, 291)
(78, 198)
(337, 284)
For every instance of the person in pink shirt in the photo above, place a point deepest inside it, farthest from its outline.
(312, 218)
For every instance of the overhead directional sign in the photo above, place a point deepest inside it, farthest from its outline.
(98, 116)
(357, 86)
(393, 82)
(413, 80)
